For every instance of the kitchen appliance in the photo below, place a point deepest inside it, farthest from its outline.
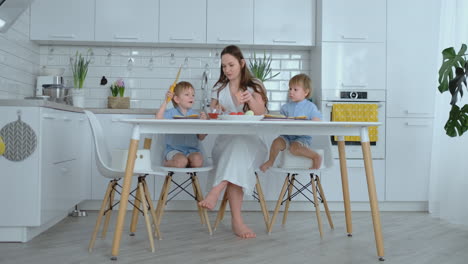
(353, 148)
(46, 80)
(57, 93)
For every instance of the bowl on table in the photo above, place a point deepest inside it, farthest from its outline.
(213, 115)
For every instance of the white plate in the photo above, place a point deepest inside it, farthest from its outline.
(241, 117)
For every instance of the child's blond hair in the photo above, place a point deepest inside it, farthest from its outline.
(180, 88)
(304, 81)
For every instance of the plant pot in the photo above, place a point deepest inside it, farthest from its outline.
(78, 98)
(118, 102)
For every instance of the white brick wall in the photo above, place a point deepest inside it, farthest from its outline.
(147, 85)
(19, 61)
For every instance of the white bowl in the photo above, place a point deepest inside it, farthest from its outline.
(52, 71)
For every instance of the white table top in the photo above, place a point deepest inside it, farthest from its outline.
(293, 127)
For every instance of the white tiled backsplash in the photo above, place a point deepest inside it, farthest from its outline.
(19, 61)
(148, 72)
(146, 81)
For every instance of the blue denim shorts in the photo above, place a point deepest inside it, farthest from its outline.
(305, 141)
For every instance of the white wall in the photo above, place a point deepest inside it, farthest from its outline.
(147, 86)
(19, 61)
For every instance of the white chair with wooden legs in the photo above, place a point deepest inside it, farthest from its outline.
(258, 195)
(168, 194)
(292, 166)
(108, 169)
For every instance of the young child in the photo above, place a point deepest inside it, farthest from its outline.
(300, 89)
(182, 150)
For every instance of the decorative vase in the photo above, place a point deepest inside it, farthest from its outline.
(116, 102)
(78, 97)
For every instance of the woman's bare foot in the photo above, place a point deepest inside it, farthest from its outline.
(212, 197)
(266, 165)
(242, 230)
(316, 162)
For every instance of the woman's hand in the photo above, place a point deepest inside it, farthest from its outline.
(245, 97)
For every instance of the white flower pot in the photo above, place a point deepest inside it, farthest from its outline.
(78, 98)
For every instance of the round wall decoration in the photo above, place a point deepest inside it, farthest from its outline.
(19, 138)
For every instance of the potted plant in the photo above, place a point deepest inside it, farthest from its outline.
(117, 100)
(261, 68)
(452, 77)
(79, 66)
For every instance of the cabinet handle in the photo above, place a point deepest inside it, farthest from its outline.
(412, 112)
(354, 37)
(181, 38)
(48, 117)
(125, 37)
(64, 36)
(354, 84)
(67, 119)
(415, 123)
(229, 40)
(284, 41)
(116, 119)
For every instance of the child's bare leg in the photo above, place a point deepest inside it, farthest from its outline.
(195, 160)
(178, 161)
(278, 145)
(235, 196)
(212, 197)
(299, 150)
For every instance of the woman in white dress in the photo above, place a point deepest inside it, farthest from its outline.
(236, 157)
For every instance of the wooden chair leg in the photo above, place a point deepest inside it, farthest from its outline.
(288, 201)
(261, 198)
(135, 212)
(164, 200)
(101, 213)
(278, 204)
(109, 213)
(200, 198)
(141, 193)
(152, 209)
(317, 205)
(197, 199)
(325, 204)
(222, 209)
(161, 196)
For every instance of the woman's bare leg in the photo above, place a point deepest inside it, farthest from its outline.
(299, 150)
(212, 197)
(178, 161)
(195, 160)
(278, 145)
(235, 196)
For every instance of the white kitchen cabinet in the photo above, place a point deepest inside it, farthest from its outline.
(125, 21)
(348, 66)
(49, 183)
(412, 32)
(62, 20)
(408, 158)
(182, 21)
(233, 27)
(331, 181)
(353, 21)
(284, 22)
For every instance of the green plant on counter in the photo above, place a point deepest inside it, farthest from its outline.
(261, 67)
(118, 88)
(79, 66)
(452, 77)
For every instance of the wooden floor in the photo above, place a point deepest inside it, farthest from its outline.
(409, 238)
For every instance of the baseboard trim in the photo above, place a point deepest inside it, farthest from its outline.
(189, 205)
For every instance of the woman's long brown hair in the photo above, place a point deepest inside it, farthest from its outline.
(247, 80)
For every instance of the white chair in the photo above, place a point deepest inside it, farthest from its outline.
(294, 187)
(115, 173)
(166, 194)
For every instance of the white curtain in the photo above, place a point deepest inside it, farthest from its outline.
(448, 193)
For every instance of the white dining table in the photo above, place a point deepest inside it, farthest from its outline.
(261, 127)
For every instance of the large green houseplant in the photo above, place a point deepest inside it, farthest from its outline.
(261, 67)
(452, 77)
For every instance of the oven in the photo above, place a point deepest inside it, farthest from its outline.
(353, 148)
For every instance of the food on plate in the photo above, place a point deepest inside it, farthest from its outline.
(213, 115)
(300, 117)
(233, 113)
(274, 116)
(240, 113)
(187, 117)
(250, 112)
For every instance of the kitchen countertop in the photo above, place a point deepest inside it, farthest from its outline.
(64, 107)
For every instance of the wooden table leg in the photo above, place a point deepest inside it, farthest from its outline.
(127, 181)
(345, 185)
(372, 193)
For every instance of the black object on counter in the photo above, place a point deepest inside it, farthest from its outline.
(103, 80)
